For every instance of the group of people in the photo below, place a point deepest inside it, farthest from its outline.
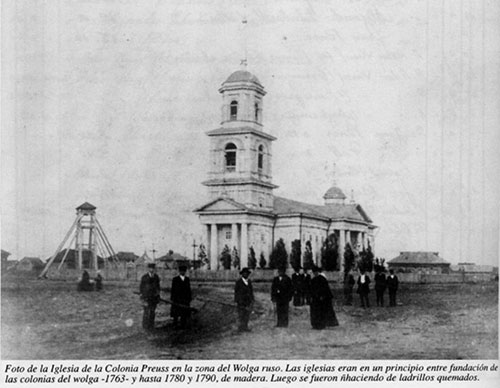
(301, 288)
(87, 284)
(180, 297)
(382, 282)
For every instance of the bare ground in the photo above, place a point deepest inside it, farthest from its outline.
(51, 320)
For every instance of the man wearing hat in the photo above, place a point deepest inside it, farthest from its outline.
(243, 296)
(281, 294)
(180, 295)
(149, 290)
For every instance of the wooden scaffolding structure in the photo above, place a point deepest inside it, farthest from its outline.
(86, 235)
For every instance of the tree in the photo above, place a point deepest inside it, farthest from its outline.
(379, 264)
(308, 256)
(366, 259)
(295, 254)
(279, 257)
(202, 256)
(262, 260)
(225, 257)
(348, 258)
(235, 257)
(252, 260)
(329, 253)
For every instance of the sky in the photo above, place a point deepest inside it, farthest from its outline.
(109, 102)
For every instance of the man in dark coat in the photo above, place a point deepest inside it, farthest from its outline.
(321, 300)
(380, 286)
(180, 296)
(298, 283)
(392, 283)
(281, 294)
(149, 290)
(364, 289)
(243, 296)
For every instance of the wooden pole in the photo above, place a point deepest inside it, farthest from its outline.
(61, 245)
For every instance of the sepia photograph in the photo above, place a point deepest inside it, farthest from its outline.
(250, 180)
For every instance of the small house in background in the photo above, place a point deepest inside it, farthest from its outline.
(6, 263)
(473, 268)
(144, 259)
(30, 264)
(172, 260)
(126, 257)
(423, 262)
(70, 258)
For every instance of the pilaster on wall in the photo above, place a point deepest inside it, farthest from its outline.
(213, 247)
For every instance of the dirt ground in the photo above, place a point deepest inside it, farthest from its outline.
(51, 320)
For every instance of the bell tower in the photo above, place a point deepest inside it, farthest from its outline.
(240, 149)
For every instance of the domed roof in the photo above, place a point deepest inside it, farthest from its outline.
(334, 193)
(243, 76)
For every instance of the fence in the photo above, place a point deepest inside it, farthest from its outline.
(134, 273)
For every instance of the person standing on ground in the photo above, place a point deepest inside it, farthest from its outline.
(349, 283)
(180, 296)
(321, 298)
(298, 282)
(281, 294)
(331, 317)
(380, 285)
(392, 286)
(243, 296)
(149, 291)
(98, 281)
(364, 289)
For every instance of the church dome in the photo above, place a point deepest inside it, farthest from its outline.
(334, 193)
(243, 76)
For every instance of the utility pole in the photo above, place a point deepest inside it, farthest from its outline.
(194, 251)
(153, 251)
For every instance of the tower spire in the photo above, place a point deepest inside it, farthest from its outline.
(244, 21)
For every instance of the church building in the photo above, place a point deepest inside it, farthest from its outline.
(243, 212)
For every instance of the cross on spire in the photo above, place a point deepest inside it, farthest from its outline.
(244, 22)
(334, 181)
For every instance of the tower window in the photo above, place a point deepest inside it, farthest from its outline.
(257, 112)
(260, 158)
(233, 110)
(230, 155)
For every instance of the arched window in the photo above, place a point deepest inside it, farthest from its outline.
(257, 112)
(233, 110)
(260, 158)
(230, 155)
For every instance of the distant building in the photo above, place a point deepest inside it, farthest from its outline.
(243, 211)
(172, 260)
(127, 257)
(5, 259)
(144, 259)
(70, 257)
(30, 264)
(426, 262)
(473, 268)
